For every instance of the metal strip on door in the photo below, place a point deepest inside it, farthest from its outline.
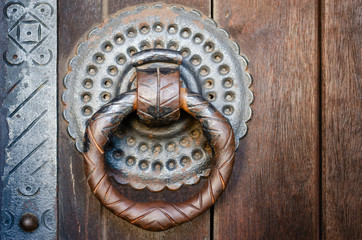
(28, 119)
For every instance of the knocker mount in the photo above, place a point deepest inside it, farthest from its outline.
(157, 98)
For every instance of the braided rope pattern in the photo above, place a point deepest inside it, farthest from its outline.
(160, 215)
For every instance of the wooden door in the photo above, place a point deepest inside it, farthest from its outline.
(297, 173)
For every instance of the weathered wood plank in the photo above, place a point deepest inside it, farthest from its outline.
(79, 210)
(341, 119)
(4, 128)
(273, 192)
(203, 6)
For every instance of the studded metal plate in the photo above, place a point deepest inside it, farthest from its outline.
(102, 69)
(177, 154)
(212, 65)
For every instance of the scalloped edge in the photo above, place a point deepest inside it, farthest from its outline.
(235, 46)
(173, 187)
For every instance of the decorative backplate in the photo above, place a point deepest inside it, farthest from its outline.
(177, 154)
(211, 63)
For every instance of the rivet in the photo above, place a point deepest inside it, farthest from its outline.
(197, 154)
(130, 161)
(195, 134)
(184, 142)
(143, 147)
(131, 141)
(171, 147)
(29, 222)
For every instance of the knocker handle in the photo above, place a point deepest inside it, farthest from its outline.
(158, 85)
(160, 215)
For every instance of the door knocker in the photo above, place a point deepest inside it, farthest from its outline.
(157, 97)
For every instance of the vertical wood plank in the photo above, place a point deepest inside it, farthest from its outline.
(4, 128)
(79, 210)
(341, 119)
(199, 228)
(273, 191)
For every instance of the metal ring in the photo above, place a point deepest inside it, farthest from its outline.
(160, 215)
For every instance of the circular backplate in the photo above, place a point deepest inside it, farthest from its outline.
(211, 63)
(177, 154)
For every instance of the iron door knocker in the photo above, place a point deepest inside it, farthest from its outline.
(173, 98)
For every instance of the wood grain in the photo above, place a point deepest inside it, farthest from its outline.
(79, 212)
(273, 192)
(203, 6)
(81, 215)
(341, 119)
